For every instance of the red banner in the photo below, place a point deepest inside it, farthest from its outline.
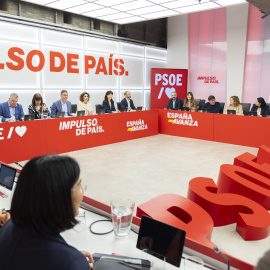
(164, 82)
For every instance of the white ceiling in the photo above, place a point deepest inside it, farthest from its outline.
(130, 11)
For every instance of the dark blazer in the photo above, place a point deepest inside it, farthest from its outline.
(21, 249)
(178, 104)
(57, 107)
(124, 104)
(4, 111)
(264, 111)
(106, 106)
(213, 108)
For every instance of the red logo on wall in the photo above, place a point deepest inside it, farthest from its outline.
(164, 82)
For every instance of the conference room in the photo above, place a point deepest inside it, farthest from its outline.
(157, 156)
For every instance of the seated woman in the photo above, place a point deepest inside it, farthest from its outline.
(84, 103)
(234, 105)
(190, 102)
(108, 103)
(44, 204)
(38, 107)
(260, 107)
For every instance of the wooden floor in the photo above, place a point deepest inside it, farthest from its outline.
(145, 168)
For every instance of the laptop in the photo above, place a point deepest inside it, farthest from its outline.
(231, 112)
(139, 108)
(7, 176)
(252, 113)
(28, 117)
(100, 111)
(123, 110)
(60, 114)
(206, 110)
(161, 240)
(186, 109)
(80, 113)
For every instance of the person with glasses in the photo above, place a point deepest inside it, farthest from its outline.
(44, 204)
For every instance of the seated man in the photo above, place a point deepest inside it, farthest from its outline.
(212, 105)
(61, 105)
(11, 110)
(127, 102)
(174, 103)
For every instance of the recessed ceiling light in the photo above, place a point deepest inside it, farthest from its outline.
(64, 4)
(101, 12)
(133, 5)
(160, 14)
(84, 8)
(145, 10)
(109, 3)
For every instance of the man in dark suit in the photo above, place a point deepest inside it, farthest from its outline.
(127, 102)
(174, 103)
(11, 110)
(62, 105)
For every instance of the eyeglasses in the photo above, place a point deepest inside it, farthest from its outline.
(82, 187)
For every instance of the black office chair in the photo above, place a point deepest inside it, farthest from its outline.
(73, 108)
(118, 105)
(246, 108)
(99, 107)
(201, 103)
(222, 104)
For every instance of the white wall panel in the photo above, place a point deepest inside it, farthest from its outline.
(135, 67)
(156, 53)
(23, 78)
(147, 99)
(101, 45)
(18, 32)
(151, 63)
(63, 79)
(131, 49)
(61, 39)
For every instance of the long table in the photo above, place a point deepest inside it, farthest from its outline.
(24, 140)
(233, 129)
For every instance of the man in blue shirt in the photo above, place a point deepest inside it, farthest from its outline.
(62, 105)
(11, 110)
(212, 105)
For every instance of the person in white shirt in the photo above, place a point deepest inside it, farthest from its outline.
(84, 103)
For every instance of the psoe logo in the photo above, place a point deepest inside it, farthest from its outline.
(181, 119)
(136, 125)
(82, 127)
(19, 130)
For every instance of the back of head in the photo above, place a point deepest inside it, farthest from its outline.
(42, 199)
(264, 262)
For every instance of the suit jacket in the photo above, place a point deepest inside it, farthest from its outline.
(178, 104)
(193, 105)
(124, 104)
(21, 249)
(57, 107)
(4, 111)
(264, 111)
(107, 107)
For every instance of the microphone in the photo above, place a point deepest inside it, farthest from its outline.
(217, 250)
(16, 162)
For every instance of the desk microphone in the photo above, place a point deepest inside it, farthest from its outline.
(217, 250)
(16, 162)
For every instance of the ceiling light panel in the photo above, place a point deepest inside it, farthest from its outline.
(150, 9)
(101, 12)
(182, 3)
(133, 5)
(84, 8)
(64, 4)
(110, 3)
(115, 16)
(198, 7)
(160, 14)
(230, 2)
(129, 20)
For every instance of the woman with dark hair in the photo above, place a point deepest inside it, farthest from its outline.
(44, 204)
(261, 108)
(234, 105)
(84, 103)
(108, 103)
(38, 107)
(190, 102)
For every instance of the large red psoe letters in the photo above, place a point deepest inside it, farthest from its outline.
(164, 82)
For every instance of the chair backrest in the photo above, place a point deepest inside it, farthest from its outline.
(201, 103)
(118, 105)
(268, 104)
(246, 108)
(99, 107)
(73, 108)
(222, 104)
(182, 100)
